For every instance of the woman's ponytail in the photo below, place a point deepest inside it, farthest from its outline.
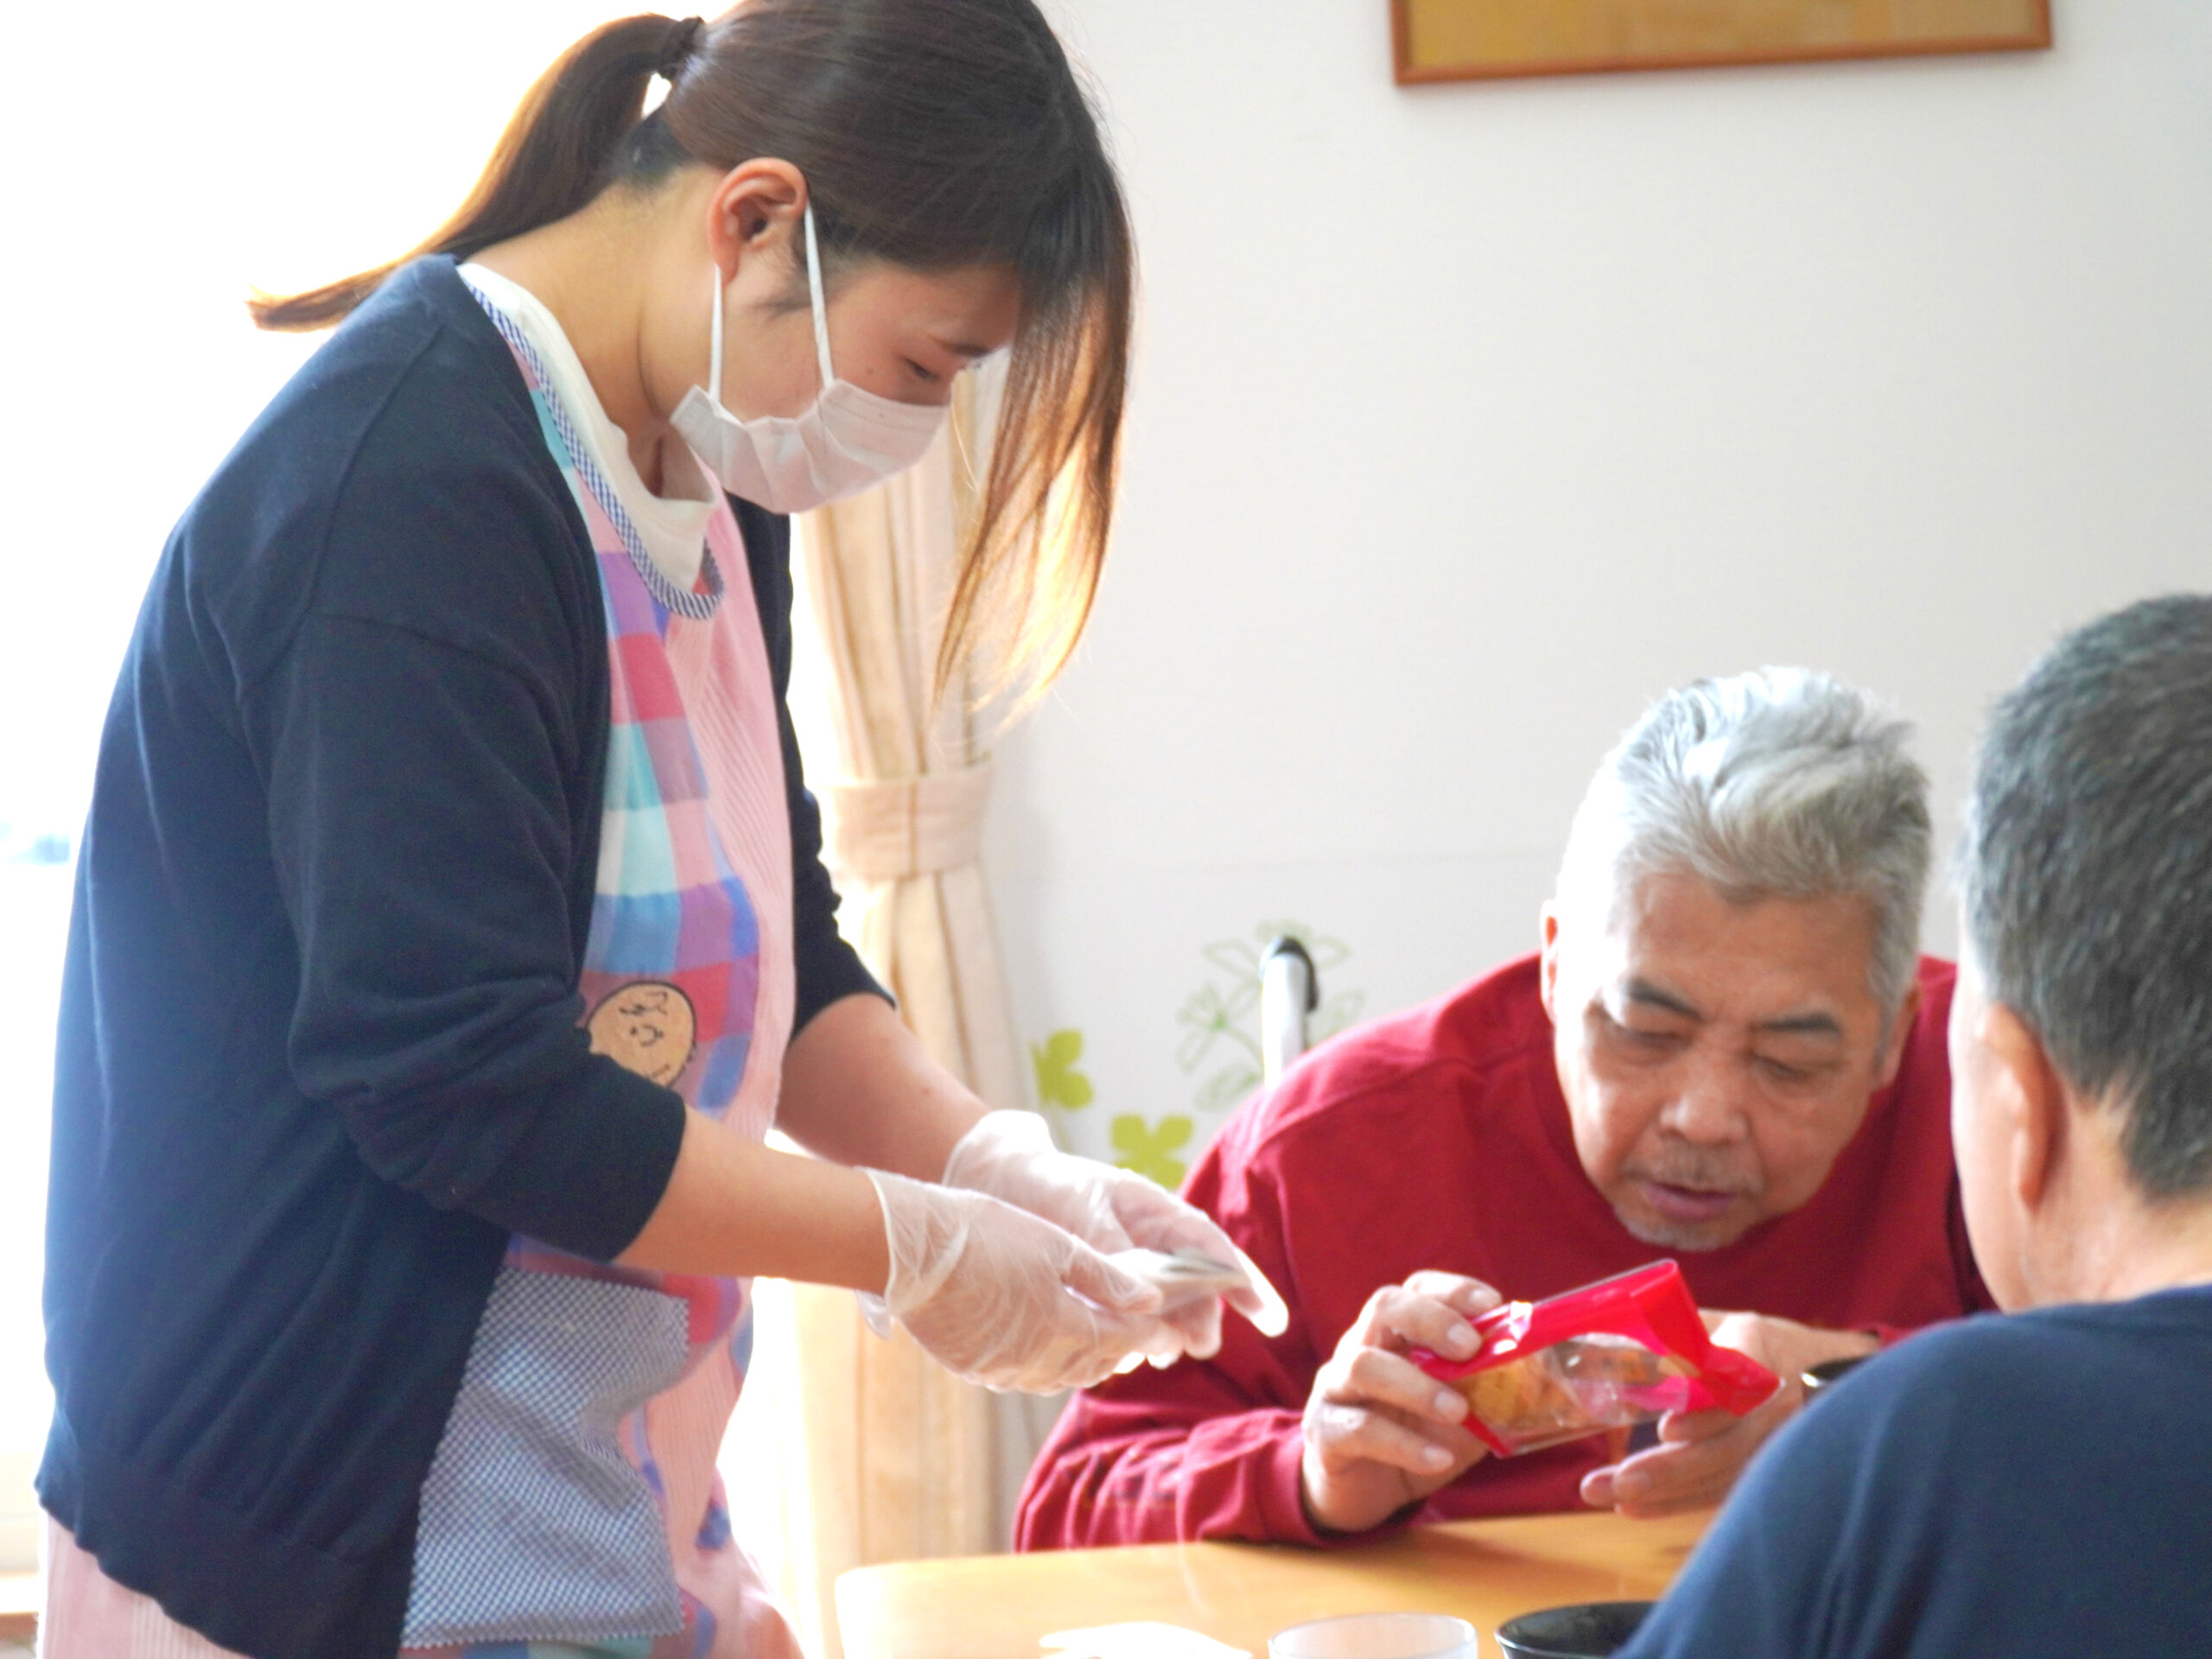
(559, 150)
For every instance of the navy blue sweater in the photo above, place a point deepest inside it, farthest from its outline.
(2026, 1486)
(319, 1052)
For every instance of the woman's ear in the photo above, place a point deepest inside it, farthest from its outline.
(755, 209)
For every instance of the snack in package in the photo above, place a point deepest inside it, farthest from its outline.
(1626, 1350)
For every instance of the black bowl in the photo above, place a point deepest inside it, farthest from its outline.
(1589, 1630)
(1829, 1370)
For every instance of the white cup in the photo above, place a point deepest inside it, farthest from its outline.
(1376, 1636)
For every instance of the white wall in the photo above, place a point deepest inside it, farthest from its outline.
(1469, 419)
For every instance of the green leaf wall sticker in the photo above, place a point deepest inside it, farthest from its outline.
(1150, 1148)
(1059, 1084)
(1220, 1043)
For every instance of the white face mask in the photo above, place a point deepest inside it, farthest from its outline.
(846, 440)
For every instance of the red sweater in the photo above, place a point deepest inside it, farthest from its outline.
(1439, 1139)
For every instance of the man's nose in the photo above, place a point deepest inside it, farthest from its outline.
(1711, 1108)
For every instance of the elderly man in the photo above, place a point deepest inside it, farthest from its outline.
(2036, 1485)
(1727, 1051)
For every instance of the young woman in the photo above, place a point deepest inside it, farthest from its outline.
(450, 927)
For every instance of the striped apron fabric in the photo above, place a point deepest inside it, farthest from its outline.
(574, 1497)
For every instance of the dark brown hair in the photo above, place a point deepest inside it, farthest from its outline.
(936, 134)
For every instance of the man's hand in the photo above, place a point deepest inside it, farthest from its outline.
(1701, 1452)
(1380, 1432)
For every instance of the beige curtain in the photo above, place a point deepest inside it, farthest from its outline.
(893, 1459)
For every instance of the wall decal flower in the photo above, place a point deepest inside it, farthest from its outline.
(1149, 1149)
(1059, 1084)
(1221, 1019)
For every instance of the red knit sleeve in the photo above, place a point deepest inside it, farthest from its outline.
(1205, 1449)
(1161, 1456)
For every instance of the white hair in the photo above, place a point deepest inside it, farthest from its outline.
(1782, 783)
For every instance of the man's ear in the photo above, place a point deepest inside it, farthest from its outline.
(1900, 1029)
(1548, 968)
(2034, 1101)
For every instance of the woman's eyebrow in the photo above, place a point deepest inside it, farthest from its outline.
(959, 348)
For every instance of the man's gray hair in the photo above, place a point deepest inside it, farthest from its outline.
(1778, 784)
(2085, 873)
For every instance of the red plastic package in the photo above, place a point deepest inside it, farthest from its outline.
(1625, 1349)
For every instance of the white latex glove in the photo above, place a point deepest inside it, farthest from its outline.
(1010, 1155)
(1001, 1297)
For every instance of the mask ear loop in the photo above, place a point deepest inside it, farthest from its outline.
(820, 310)
(715, 348)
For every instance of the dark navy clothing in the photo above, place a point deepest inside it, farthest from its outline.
(319, 1054)
(2037, 1483)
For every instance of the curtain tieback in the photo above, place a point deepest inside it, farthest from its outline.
(888, 830)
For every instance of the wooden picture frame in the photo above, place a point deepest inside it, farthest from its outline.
(1487, 40)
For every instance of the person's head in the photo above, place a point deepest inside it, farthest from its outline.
(2082, 1033)
(1730, 960)
(964, 201)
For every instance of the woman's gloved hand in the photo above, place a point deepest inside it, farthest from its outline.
(1010, 1155)
(1001, 1297)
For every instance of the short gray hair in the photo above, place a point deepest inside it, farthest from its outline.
(1779, 783)
(2086, 874)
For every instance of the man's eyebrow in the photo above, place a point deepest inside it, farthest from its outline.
(1803, 1024)
(1811, 1023)
(1644, 992)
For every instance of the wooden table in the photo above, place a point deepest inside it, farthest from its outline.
(18, 1607)
(997, 1606)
